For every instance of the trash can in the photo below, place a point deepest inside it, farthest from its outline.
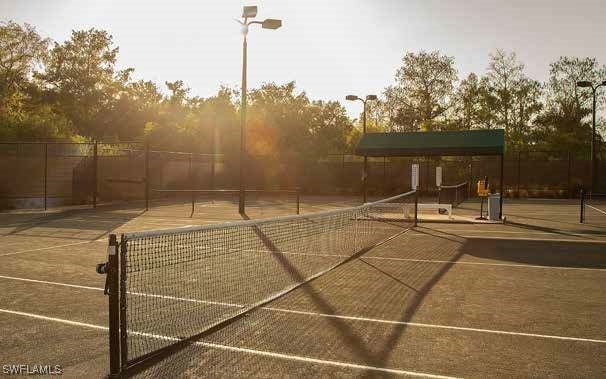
(494, 206)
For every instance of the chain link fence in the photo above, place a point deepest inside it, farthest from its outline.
(43, 175)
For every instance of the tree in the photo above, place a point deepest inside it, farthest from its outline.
(469, 104)
(526, 105)
(563, 76)
(512, 100)
(565, 124)
(423, 91)
(504, 72)
(24, 114)
(83, 80)
(278, 120)
(330, 128)
(21, 50)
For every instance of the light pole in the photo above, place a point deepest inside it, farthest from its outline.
(586, 83)
(270, 23)
(364, 174)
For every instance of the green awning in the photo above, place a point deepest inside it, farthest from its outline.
(468, 142)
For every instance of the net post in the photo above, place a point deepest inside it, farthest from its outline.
(582, 216)
(95, 170)
(122, 295)
(146, 175)
(416, 207)
(114, 306)
(45, 176)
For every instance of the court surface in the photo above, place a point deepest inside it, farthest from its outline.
(442, 300)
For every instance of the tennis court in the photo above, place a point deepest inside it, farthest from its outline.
(445, 299)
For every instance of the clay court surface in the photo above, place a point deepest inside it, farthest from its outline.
(520, 299)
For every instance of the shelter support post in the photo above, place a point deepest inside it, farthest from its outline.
(470, 177)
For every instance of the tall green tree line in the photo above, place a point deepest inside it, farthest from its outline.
(74, 91)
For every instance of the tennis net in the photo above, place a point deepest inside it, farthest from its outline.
(169, 288)
(453, 195)
(166, 200)
(593, 209)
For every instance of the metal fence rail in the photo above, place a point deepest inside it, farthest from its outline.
(50, 174)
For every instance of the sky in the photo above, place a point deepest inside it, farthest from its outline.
(331, 48)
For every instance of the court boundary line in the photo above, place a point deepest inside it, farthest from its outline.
(345, 317)
(438, 326)
(540, 239)
(45, 248)
(484, 263)
(600, 211)
(586, 238)
(271, 354)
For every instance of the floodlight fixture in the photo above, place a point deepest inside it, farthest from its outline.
(584, 83)
(271, 23)
(351, 97)
(249, 11)
(371, 97)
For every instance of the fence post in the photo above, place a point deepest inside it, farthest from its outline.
(212, 172)
(146, 175)
(384, 176)
(190, 179)
(95, 171)
(568, 178)
(519, 175)
(502, 189)
(416, 206)
(45, 175)
(343, 178)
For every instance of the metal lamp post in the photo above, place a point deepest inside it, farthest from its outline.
(588, 84)
(365, 174)
(270, 23)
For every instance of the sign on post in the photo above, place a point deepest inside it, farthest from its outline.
(483, 187)
(414, 180)
(438, 176)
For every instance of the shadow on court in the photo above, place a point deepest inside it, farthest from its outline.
(223, 350)
(539, 253)
(380, 313)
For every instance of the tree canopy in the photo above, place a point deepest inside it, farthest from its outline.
(74, 91)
